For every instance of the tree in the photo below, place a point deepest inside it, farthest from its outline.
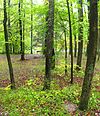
(65, 52)
(99, 33)
(91, 55)
(74, 27)
(10, 45)
(31, 27)
(49, 45)
(23, 41)
(71, 44)
(21, 30)
(7, 48)
(80, 35)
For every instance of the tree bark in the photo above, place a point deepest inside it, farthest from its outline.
(21, 31)
(80, 35)
(99, 34)
(74, 31)
(10, 45)
(75, 48)
(71, 44)
(23, 42)
(31, 28)
(91, 55)
(7, 48)
(65, 53)
(49, 45)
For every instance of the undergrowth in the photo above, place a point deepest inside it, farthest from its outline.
(28, 101)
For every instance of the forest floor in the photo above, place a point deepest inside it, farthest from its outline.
(29, 100)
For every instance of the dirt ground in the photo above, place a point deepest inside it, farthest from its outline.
(34, 67)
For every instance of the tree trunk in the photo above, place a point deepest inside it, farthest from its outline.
(23, 41)
(71, 44)
(75, 48)
(31, 27)
(99, 34)
(65, 53)
(7, 48)
(49, 45)
(99, 44)
(74, 32)
(80, 36)
(21, 31)
(10, 44)
(91, 55)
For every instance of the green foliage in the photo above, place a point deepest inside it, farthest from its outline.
(27, 101)
(39, 12)
(94, 100)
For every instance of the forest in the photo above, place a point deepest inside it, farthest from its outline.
(49, 57)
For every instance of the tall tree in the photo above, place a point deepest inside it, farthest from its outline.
(9, 25)
(21, 29)
(80, 35)
(74, 30)
(31, 27)
(91, 54)
(71, 44)
(99, 33)
(65, 52)
(7, 48)
(23, 41)
(49, 45)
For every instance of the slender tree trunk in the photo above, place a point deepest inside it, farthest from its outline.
(10, 44)
(65, 53)
(99, 34)
(99, 45)
(7, 48)
(75, 48)
(74, 32)
(91, 55)
(71, 44)
(31, 27)
(80, 36)
(49, 46)
(53, 57)
(21, 31)
(23, 41)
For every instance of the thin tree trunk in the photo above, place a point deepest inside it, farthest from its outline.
(75, 48)
(9, 26)
(91, 55)
(80, 36)
(21, 31)
(7, 48)
(98, 45)
(23, 42)
(99, 34)
(65, 53)
(31, 27)
(53, 57)
(71, 44)
(74, 33)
